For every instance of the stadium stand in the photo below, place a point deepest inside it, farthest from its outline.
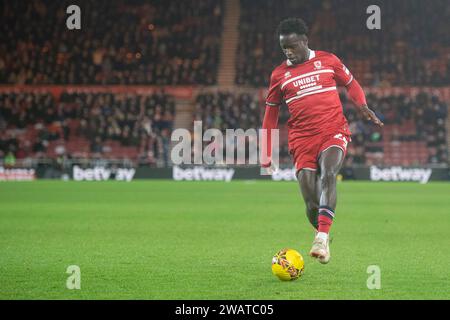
(120, 42)
(414, 51)
(414, 131)
(87, 125)
(138, 127)
(178, 45)
(225, 109)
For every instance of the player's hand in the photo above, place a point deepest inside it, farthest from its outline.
(370, 115)
(269, 168)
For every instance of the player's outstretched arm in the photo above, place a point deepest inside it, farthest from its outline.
(270, 122)
(358, 97)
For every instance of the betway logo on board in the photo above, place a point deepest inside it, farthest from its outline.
(102, 174)
(400, 174)
(202, 174)
(17, 174)
(284, 175)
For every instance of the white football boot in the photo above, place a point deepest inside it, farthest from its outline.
(321, 248)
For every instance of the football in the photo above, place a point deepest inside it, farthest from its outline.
(288, 264)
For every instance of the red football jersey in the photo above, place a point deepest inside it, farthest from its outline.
(310, 92)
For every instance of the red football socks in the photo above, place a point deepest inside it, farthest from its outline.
(325, 219)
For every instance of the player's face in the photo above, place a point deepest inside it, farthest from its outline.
(295, 47)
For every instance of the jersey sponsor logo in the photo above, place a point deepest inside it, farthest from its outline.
(287, 75)
(309, 74)
(308, 81)
(317, 65)
(308, 90)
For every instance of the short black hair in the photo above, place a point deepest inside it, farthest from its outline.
(292, 25)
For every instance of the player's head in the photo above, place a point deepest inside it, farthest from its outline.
(292, 33)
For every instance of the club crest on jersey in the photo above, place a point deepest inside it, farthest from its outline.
(317, 65)
(287, 75)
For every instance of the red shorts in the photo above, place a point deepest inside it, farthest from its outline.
(306, 150)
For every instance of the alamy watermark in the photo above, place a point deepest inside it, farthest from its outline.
(373, 22)
(73, 21)
(236, 147)
(74, 280)
(374, 280)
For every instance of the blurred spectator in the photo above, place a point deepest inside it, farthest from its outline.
(10, 160)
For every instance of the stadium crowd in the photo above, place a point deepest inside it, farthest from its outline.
(412, 47)
(226, 109)
(30, 122)
(172, 42)
(120, 42)
(407, 118)
(168, 42)
(417, 120)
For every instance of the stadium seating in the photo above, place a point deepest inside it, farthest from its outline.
(408, 137)
(171, 44)
(225, 109)
(82, 125)
(120, 42)
(87, 125)
(414, 50)
(414, 131)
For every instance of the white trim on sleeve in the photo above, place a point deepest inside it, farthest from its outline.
(351, 79)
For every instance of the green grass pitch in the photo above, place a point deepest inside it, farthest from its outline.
(213, 240)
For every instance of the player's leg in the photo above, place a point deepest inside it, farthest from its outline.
(330, 162)
(308, 181)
